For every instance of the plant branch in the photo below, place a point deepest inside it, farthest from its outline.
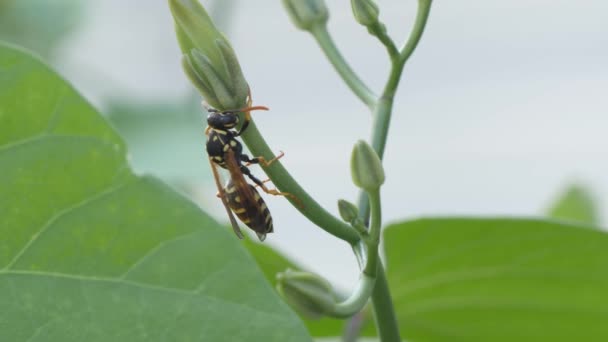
(286, 183)
(373, 239)
(384, 312)
(383, 110)
(424, 8)
(357, 299)
(339, 63)
(379, 32)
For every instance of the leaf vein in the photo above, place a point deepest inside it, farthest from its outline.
(59, 215)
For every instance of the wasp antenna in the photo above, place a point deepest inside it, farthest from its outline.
(249, 109)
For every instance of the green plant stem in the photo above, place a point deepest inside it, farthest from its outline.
(339, 63)
(286, 183)
(424, 8)
(384, 108)
(357, 299)
(384, 312)
(363, 291)
(373, 239)
(379, 31)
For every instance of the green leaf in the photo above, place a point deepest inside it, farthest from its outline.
(39, 25)
(498, 280)
(575, 204)
(269, 260)
(91, 252)
(340, 339)
(272, 262)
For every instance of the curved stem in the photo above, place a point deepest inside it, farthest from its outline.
(344, 70)
(383, 111)
(357, 299)
(362, 293)
(286, 183)
(384, 312)
(424, 8)
(379, 31)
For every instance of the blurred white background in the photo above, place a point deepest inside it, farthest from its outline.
(502, 105)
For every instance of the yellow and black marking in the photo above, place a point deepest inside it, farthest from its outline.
(238, 196)
(250, 208)
(221, 137)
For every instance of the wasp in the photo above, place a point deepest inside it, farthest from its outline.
(226, 151)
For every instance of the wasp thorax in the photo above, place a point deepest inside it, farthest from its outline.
(222, 120)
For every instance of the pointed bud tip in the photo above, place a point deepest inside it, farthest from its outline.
(366, 167)
(348, 211)
(365, 11)
(212, 64)
(307, 293)
(305, 14)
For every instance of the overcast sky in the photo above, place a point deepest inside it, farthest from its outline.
(502, 105)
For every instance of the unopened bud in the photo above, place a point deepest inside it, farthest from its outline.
(307, 293)
(365, 167)
(209, 61)
(305, 14)
(365, 11)
(348, 211)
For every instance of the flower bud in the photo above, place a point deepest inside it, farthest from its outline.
(209, 61)
(305, 14)
(307, 293)
(348, 211)
(365, 11)
(365, 167)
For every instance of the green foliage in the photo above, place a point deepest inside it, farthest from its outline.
(90, 251)
(270, 261)
(38, 25)
(498, 280)
(575, 204)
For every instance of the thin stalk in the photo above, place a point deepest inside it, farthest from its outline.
(351, 79)
(382, 304)
(357, 299)
(384, 108)
(286, 183)
(424, 8)
(384, 312)
(373, 239)
(379, 31)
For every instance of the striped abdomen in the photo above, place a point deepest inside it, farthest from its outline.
(250, 207)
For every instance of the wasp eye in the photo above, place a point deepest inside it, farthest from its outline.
(223, 120)
(229, 119)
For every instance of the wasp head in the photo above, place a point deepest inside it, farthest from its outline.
(222, 120)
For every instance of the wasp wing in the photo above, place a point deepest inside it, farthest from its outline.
(251, 212)
(222, 195)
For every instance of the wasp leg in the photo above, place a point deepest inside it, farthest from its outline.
(264, 181)
(276, 192)
(245, 170)
(261, 160)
